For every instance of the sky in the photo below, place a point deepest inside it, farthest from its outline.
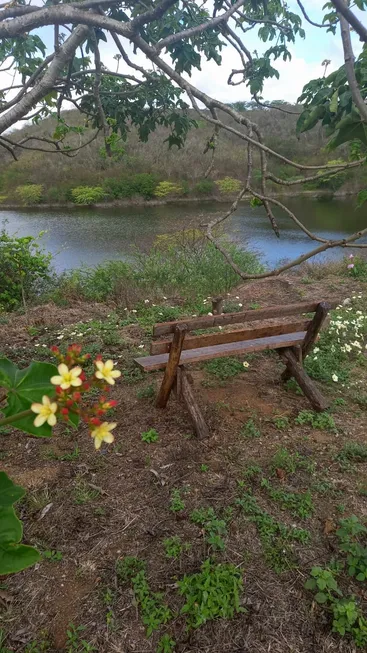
(307, 57)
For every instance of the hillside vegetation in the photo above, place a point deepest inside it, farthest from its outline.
(137, 168)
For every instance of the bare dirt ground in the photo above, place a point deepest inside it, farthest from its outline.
(91, 509)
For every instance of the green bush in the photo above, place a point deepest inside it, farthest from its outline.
(166, 188)
(87, 194)
(332, 182)
(186, 263)
(30, 193)
(105, 280)
(204, 187)
(143, 184)
(229, 185)
(22, 266)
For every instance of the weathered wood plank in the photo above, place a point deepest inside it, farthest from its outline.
(200, 426)
(228, 349)
(171, 367)
(312, 332)
(252, 315)
(315, 327)
(312, 393)
(207, 340)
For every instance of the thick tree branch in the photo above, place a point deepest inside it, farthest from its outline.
(349, 67)
(351, 18)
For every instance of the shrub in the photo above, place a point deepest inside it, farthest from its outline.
(204, 187)
(30, 193)
(166, 188)
(145, 185)
(332, 182)
(87, 194)
(229, 185)
(22, 265)
(185, 262)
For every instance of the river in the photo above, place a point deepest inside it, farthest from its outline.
(88, 236)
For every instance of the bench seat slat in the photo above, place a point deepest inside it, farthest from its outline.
(159, 361)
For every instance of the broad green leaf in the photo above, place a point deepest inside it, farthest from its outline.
(321, 597)
(350, 132)
(14, 556)
(333, 106)
(9, 493)
(25, 387)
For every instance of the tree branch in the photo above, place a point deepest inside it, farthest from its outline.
(352, 19)
(349, 67)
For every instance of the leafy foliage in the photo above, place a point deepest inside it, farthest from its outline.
(30, 193)
(25, 387)
(229, 185)
(153, 611)
(167, 188)
(213, 592)
(14, 556)
(22, 266)
(87, 194)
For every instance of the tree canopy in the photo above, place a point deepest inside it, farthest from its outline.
(53, 52)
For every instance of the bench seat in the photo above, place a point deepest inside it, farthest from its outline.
(159, 361)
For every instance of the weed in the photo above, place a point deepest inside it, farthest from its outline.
(74, 644)
(3, 637)
(299, 504)
(276, 538)
(341, 508)
(83, 492)
(251, 471)
(322, 421)
(323, 580)
(215, 529)
(146, 393)
(153, 611)
(224, 368)
(293, 386)
(174, 547)
(66, 457)
(128, 567)
(212, 593)
(52, 555)
(204, 468)
(352, 451)
(281, 423)
(290, 462)
(40, 645)
(166, 644)
(108, 596)
(350, 533)
(37, 500)
(150, 436)
(176, 502)
(347, 616)
(250, 430)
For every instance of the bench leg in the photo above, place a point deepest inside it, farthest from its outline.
(314, 396)
(312, 332)
(200, 426)
(172, 365)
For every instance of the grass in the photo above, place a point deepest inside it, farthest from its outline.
(223, 368)
(83, 492)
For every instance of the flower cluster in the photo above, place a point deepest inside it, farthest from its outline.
(71, 385)
(342, 342)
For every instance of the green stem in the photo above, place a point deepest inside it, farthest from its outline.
(15, 418)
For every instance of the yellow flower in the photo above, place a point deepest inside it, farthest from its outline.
(106, 372)
(103, 433)
(67, 377)
(46, 412)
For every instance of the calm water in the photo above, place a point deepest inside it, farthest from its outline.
(88, 236)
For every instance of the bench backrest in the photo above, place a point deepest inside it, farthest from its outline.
(275, 328)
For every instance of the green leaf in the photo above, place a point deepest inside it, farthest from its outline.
(321, 597)
(25, 387)
(361, 576)
(14, 556)
(350, 131)
(333, 106)
(310, 584)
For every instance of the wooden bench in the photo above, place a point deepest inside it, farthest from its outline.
(293, 338)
